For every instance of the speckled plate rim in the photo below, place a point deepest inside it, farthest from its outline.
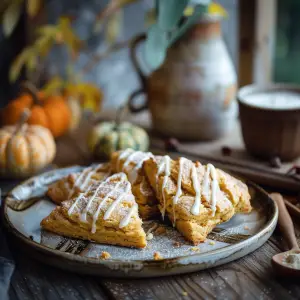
(155, 268)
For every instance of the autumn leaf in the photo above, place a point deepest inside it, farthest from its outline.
(11, 17)
(33, 6)
(113, 27)
(19, 62)
(31, 63)
(189, 11)
(54, 85)
(216, 9)
(213, 9)
(90, 95)
(43, 45)
(71, 40)
(48, 30)
(126, 2)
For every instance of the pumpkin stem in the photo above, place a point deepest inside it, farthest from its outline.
(119, 114)
(23, 119)
(31, 89)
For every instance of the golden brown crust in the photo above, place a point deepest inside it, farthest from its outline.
(232, 197)
(68, 220)
(147, 187)
(65, 188)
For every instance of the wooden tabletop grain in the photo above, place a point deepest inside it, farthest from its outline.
(251, 277)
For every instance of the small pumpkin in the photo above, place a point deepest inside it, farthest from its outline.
(25, 149)
(108, 137)
(51, 112)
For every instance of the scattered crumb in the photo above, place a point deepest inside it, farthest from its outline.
(160, 230)
(211, 243)
(176, 244)
(105, 255)
(195, 249)
(246, 228)
(157, 256)
(152, 228)
(184, 293)
(149, 236)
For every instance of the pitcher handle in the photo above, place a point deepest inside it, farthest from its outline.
(132, 48)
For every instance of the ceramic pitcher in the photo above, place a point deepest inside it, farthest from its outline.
(192, 95)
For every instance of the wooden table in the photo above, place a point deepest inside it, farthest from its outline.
(251, 277)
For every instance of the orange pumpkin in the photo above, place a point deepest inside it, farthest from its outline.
(51, 112)
(25, 149)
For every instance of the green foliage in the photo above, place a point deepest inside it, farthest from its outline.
(170, 13)
(171, 24)
(47, 36)
(156, 45)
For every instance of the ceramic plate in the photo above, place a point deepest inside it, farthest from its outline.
(26, 205)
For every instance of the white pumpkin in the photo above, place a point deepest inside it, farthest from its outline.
(25, 149)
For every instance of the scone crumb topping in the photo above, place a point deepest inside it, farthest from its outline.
(160, 230)
(149, 236)
(176, 244)
(195, 249)
(105, 255)
(157, 256)
(246, 228)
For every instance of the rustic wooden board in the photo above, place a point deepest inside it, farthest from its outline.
(251, 277)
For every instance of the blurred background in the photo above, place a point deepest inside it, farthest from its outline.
(117, 66)
(174, 68)
(284, 52)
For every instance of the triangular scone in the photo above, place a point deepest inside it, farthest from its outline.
(71, 185)
(131, 163)
(106, 213)
(195, 197)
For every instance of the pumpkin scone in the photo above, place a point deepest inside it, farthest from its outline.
(195, 197)
(75, 183)
(106, 213)
(131, 163)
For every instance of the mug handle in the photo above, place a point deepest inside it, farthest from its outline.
(132, 48)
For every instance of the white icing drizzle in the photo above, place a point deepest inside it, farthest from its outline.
(125, 221)
(129, 155)
(123, 155)
(210, 171)
(116, 202)
(179, 190)
(140, 163)
(78, 180)
(71, 209)
(130, 158)
(133, 174)
(84, 212)
(96, 214)
(205, 184)
(84, 177)
(164, 166)
(196, 185)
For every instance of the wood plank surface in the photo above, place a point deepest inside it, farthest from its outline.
(251, 277)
